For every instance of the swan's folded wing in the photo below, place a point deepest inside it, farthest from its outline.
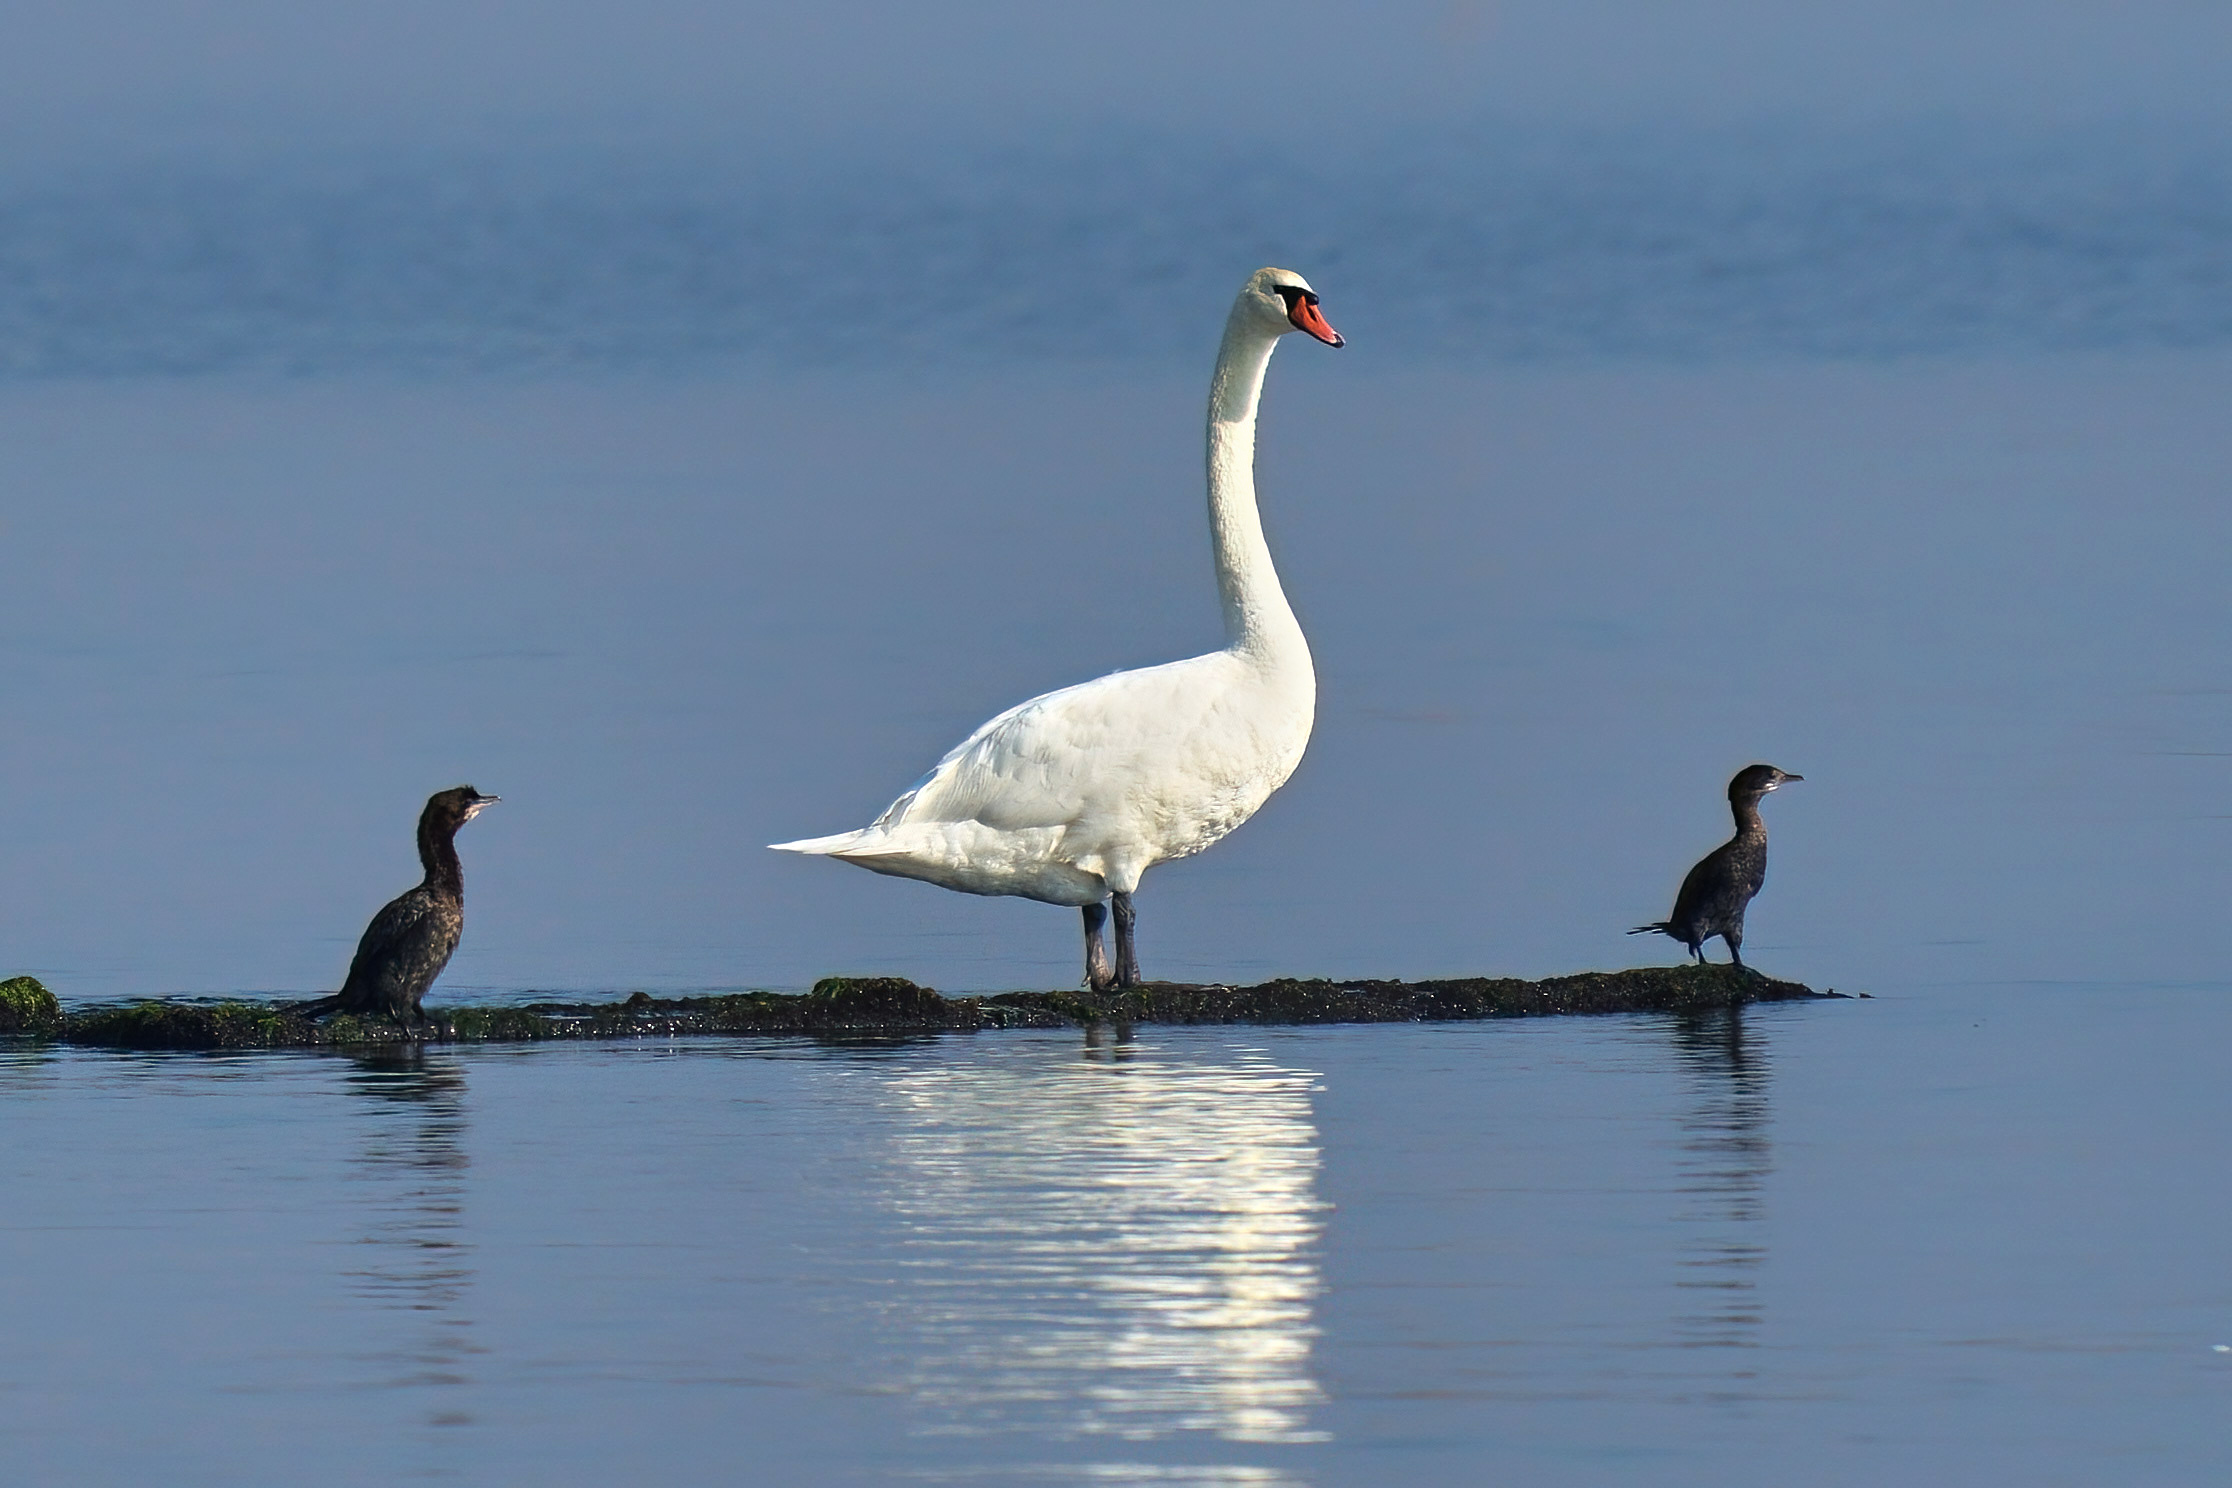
(1006, 774)
(1037, 764)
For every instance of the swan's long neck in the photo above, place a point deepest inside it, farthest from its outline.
(1258, 622)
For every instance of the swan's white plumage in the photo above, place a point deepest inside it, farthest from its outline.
(1076, 793)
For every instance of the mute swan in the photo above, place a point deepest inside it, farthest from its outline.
(1070, 797)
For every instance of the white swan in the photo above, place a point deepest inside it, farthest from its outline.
(1071, 797)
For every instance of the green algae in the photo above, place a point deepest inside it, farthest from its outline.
(1690, 988)
(155, 1024)
(840, 1007)
(27, 1007)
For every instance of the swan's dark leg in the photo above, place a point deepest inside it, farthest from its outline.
(1098, 976)
(1127, 955)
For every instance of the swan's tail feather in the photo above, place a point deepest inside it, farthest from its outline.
(1663, 927)
(819, 845)
(867, 842)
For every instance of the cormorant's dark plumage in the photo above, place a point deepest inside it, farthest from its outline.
(409, 942)
(1718, 889)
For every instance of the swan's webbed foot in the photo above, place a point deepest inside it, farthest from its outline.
(1127, 953)
(1099, 975)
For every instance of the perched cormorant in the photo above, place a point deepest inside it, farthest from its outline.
(1714, 896)
(408, 943)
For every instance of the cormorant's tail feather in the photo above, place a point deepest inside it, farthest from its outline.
(1663, 927)
(316, 1007)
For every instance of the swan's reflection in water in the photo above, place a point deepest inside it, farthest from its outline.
(411, 1255)
(1120, 1245)
(1725, 1157)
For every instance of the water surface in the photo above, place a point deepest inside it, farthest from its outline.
(1977, 605)
(691, 507)
(1959, 1237)
(1496, 243)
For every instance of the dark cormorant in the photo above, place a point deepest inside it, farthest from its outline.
(408, 943)
(1714, 896)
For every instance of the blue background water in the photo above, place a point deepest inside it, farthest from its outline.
(1975, 602)
(1489, 244)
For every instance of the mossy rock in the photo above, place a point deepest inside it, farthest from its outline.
(153, 1024)
(874, 1002)
(27, 1007)
(849, 1007)
(1290, 1000)
(491, 1024)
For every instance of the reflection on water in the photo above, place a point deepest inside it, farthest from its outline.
(1722, 1177)
(1111, 1245)
(413, 1256)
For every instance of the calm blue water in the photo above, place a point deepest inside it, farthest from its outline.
(692, 507)
(1936, 1238)
(1977, 604)
(1480, 246)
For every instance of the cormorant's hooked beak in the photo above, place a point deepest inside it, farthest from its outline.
(1302, 310)
(1787, 778)
(479, 804)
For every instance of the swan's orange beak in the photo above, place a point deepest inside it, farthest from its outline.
(1306, 318)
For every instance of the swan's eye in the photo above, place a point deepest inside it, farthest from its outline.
(1292, 296)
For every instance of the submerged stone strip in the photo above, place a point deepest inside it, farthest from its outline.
(893, 1005)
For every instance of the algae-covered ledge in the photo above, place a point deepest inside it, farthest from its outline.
(892, 1005)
